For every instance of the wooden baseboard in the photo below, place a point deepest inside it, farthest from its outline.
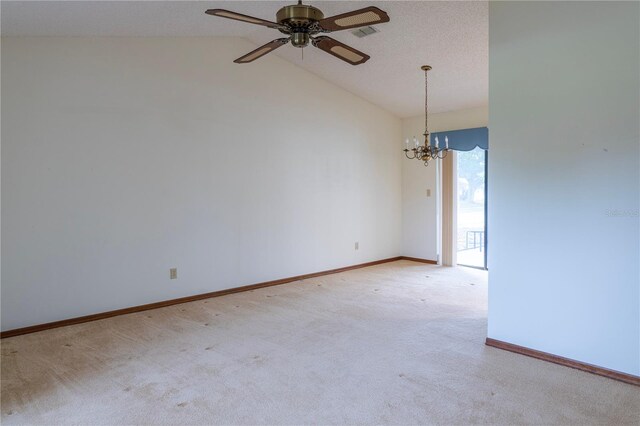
(416, 259)
(140, 308)
(567, 362)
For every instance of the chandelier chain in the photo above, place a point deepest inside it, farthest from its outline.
(426, 104)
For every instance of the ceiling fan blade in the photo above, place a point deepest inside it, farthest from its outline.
(261, 51)
(244, 18)
(340, 50)
(358, 18)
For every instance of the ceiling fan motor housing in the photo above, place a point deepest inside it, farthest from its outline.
(299, 17)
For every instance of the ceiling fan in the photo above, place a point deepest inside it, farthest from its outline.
(301, 23)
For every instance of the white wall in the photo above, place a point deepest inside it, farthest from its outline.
(124, 157)
(564, 152)
(419, 212)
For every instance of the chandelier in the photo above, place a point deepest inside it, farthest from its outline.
(426, 151)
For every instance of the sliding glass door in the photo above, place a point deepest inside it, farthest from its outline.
(471, 213)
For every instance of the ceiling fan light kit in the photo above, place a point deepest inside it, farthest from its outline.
(302, 24)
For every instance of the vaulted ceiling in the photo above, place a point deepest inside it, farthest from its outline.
(450, 36)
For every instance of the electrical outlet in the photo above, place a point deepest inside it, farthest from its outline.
(173, 273)
(357, 245)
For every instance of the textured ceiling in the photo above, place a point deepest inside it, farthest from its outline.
(450, 36)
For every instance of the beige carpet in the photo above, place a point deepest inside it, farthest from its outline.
(400, 343)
